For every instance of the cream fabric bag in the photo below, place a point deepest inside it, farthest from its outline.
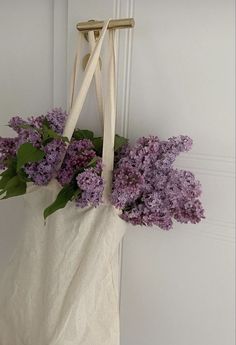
(61, 287)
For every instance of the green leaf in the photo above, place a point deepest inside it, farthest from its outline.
(49, 134)
(83, 134)
(28, 153)
(7, 174)
(4, 180)
(98, 143)
(92, 163)
(76, 193)
(119, 142)
(13, 182)
(23, 176)
(65, 195)
(14, 187)
(11, 167)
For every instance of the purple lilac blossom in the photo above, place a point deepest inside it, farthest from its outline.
(16, 122)
(149, 190)
(128, 180)
(29, 135)
(91, 185)
(42, 172)
(28, 130)
(36, 122)
(8, 148)
(79, 153)
(89, 181)
(57, 119)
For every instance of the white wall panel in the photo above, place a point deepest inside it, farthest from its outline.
(183, 71)
(178, 287)
(26, 87)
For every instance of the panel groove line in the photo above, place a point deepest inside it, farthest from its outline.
(123, 9)
(59, 56)
(212, 230)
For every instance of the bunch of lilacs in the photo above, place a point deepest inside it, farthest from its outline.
(32, 131)
(82, 168)
(149, 190)
(40, 153)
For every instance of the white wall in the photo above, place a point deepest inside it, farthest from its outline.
(25, 85)
(176, 75)
(178, 287)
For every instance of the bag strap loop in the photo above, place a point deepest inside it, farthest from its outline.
(98, 78)
(108, 110)
(89, 72)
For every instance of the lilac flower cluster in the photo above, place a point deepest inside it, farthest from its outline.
(26, 133)
(78, 155)
(57, 119)
(29, 130)
(8, 148)
(147, 188)
(42, 172)
(91, 186)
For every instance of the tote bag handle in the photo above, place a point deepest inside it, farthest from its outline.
(97, 74)
(109, 109)
(89, 72)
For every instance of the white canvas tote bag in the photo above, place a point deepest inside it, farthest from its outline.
(61, 286)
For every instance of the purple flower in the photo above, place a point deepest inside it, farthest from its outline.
(149, 190)
(89, 199)
(30, 135)
(128, 180)
(57, 119)
(29, 130)
(189, 211)
(16, 122)
(79, 153)
(8, 148)
(91, 186)
(90, 181)
(36, 122)
(42, 172)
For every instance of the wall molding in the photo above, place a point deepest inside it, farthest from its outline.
(208, 164)
(124, 9)
(214, 230)
(203, 156)
(59, 55)
(221, 170)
